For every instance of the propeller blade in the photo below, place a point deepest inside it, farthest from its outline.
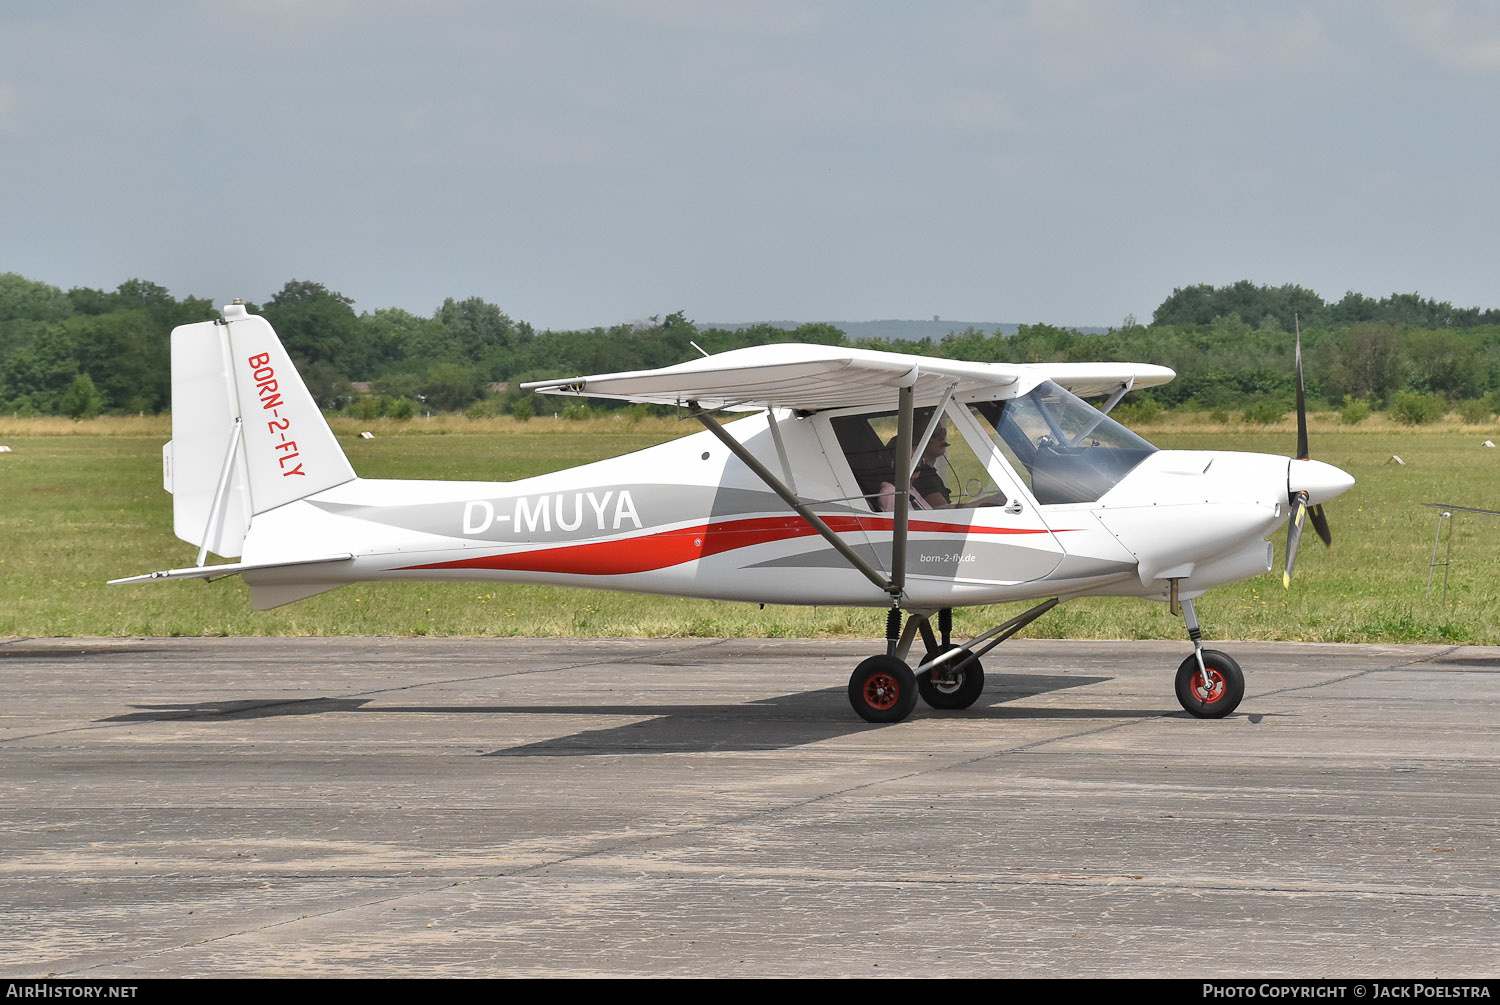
(1294, 537)
(1302, 451)
(1320, 524)
(1313, 475)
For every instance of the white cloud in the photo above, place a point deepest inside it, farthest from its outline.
(1460, 37)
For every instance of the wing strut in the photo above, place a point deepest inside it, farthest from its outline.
(790, 498)
(937, 414)
(1114, 399)
(786, 467)
(902, 462)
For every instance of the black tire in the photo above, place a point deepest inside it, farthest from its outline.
(1225, 688)
(883, 689)
(960, 692)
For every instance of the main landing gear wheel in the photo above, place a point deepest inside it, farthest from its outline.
(954, 691)
(1216, 696)
(883, 689)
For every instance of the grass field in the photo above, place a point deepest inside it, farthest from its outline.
(81, 503)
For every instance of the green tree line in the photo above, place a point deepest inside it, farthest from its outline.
(83, 351)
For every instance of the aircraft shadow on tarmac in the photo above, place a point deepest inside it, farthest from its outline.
(787, 720)
(1468, 661)
(14, 652)
(249, 708)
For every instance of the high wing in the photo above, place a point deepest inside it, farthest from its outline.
(817, 377)
(1088, 380)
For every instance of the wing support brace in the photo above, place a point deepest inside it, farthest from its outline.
(894, 585)
(966, 653)
(786, 467)
(1114, 399)
(937, 416)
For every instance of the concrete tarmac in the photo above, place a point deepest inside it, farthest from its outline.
(688, 807)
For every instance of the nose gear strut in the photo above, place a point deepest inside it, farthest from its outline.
(1209, 683)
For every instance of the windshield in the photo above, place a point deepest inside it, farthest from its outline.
(1066, 449)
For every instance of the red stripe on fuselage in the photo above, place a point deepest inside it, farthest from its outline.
(648, 552)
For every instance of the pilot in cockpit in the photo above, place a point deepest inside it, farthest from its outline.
(928, 490)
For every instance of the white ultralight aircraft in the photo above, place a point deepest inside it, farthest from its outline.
(1018, 490)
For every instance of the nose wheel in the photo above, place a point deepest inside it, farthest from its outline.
(1213, 691)
(1210, 684)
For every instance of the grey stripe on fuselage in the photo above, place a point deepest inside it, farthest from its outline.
(568, 515)
(954, 558)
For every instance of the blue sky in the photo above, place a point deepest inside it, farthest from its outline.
(583, 163)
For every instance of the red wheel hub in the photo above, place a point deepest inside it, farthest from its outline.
(1208, 687)
(882, 691)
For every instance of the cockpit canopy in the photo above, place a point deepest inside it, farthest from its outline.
(1062, 448)
(1067, 450)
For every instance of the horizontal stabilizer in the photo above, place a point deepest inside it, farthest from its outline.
(232, 569)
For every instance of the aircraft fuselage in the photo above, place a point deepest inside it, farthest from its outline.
(715, 531)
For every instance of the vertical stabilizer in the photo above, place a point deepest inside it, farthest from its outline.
(247, 435)
(288, 448)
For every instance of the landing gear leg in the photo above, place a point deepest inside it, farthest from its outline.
(893, 631)
(948, 685)
(884, 688)
(951, 676)
(1209, 683)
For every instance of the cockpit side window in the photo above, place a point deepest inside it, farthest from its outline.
(950, 474)
(866, 453)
